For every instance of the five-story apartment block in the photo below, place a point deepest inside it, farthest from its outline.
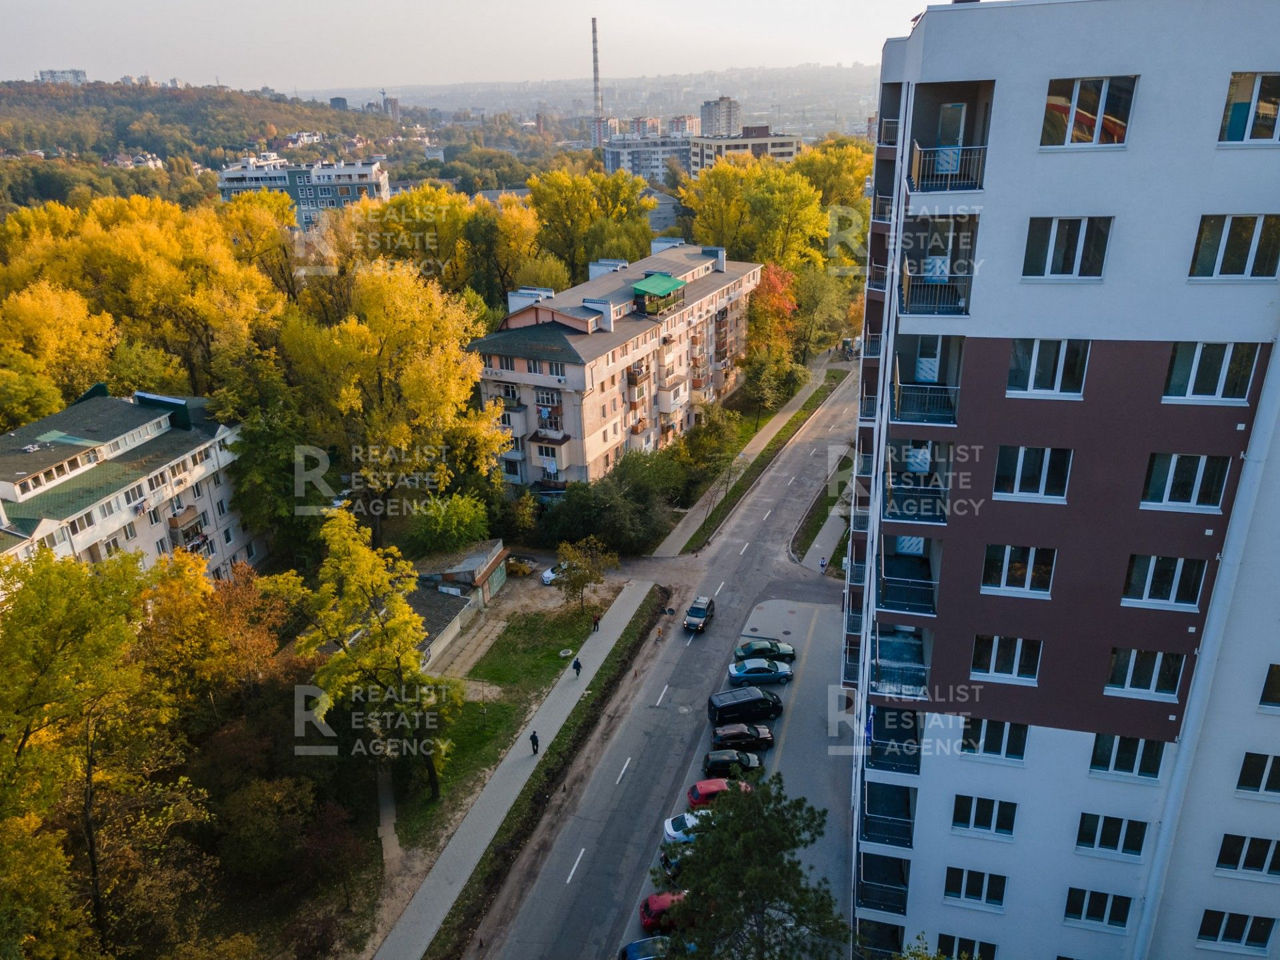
(1062, 595)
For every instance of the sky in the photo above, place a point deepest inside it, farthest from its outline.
(323, 44)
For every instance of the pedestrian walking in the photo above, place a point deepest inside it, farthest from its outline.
(577, 667)
(595, 623)
(822, 564)
(533, 741)
(659, 633)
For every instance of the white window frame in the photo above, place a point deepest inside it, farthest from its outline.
(1216, 397)
(973, 826)
(535, 366)
(1039, 495)
(1157, 603)
(555, 368)
(1188, 506)
(1240, 945)
(1056, 392)
(1253, 113)
(1268, 770)
(1096, 846)
(1134, 774)
(506, 363)
(1074, 275)
(1104, 924)
(991, 673)
(965, 947)
(981, 901)
(1129, 689)
(980, 739)
(1229, 219)
(1102, 112)
(1003, 589)
(130, 531)
(1271, 856)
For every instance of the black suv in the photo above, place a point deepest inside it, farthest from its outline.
(699, 614)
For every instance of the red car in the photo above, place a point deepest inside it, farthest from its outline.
(704, 791)
(653, 911)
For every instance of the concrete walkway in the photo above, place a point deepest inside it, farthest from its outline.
(693, 518)
(833, 528)
(413, 932)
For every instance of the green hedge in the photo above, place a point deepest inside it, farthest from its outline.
(761, 463)
(451, 941)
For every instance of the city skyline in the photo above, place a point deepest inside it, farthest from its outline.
(547, 43)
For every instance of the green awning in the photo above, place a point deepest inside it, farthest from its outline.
(658, 285)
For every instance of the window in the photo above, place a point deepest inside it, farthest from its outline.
(509, 391)
(1253, 100)
(1129, 755)
(216, 478)
(994, 738)
(111, 546)
(1210, 371)
(133, 494)
(161, 546)
(975, 885)
(1066, 246)
(80, 523)
(130, 531)
(226, 535)
(200, 456)
(1022, 569)
(511, 468)
(153, 515)
(546, 452)
(249, 550)
(1116, 834)
(1145, 671)
(1253, 854)
(955, 948)
(154, 483)
(555, 368)
(1237, 246)
(107, 508)
(1217, 926)
(1048, 366)
(1259, 773)
(535, 366)
(1005, 657)
(196, 491)
(1032, 472)
(1271, 687)
(507, 363)
(983, 813)
(1093, 907)
(547, 398)
(1072, 109)
(1179, 479)
(1163, 580)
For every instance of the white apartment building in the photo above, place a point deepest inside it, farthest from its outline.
(618, 363)
(313, 187)
(721, 117)
(107, 474)
(646, 156)
(1061, 601)
(758, 141)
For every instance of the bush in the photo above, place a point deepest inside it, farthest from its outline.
(448, 523)
(627, 520)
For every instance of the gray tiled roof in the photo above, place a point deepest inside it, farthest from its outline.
(81, 426)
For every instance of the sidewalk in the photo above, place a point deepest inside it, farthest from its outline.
(828, 539)
(692, 520)
(413, 932)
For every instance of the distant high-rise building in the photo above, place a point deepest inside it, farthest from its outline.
(391, 107)
(645, 156)
(338, 103)
(758, 141)
(721, 118)
(644, 126)
(313, 187)
(686, 124)
(73, 77)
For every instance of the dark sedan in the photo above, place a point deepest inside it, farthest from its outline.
(742, 736)
(765, 650)
(724, 763)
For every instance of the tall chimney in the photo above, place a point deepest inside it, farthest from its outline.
(595, 70)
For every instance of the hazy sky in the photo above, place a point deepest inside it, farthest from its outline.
(337, 43)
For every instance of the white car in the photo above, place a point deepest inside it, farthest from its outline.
(549, 575)
(679, 829)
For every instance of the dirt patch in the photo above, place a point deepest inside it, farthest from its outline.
(492, 930)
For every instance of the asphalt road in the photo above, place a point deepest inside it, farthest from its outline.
(584, 901)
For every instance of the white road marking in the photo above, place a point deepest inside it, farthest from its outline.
(791, 481)
(744, 548)
(661, 695)
(719, 588)
(624, 770)
(813, 451)
(575, 866)
(766, 513)
(690, 640)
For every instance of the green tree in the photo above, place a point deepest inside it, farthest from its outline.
(920, 951)
(762, 382)
(544, 270)
(567, 206)
(822, 314)
(447, 523)
(582, 564)
(747, 896)
(788, 223)
(721, 213)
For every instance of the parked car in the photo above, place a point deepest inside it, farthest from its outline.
(650, 948)
(704, 791)
(679, 829)
(549, 575)
(766, 649)
(721, 763)
(743, 672)
(521, 565)
(654, 911)
(699, 614)
(743, 705)
(742, 736)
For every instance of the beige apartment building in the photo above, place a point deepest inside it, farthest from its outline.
(618, 363)
(758, 141)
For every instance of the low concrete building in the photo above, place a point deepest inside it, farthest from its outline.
(313, 187)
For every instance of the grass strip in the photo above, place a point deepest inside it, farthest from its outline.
(761, 463)
(522, 819)
(823, 503)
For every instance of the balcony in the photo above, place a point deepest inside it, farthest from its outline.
(859, 519)
(857, 574)
(907, 585)
(871, 346)
(882, 883)
(885, 814)
(915, 498)
(849, 672)
(867, 407)
(881, 208)
(637, 375)
(885, 897)
(935, 295)
(925, 403)
(937, 169)
(888, 133)
(897, 666)
(864, 465)
(184, 519)
(640, 426)
(877, 276)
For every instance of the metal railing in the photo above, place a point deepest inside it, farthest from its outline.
(935, 295)
(867, 407)
(907, 595)
(860, 519)
(858, 573)
(881, 208)
(889, 898)
(871, 348)
(864, 465)
(908, 498)
(877, 276)
(896, 756)
(878, 828)
(889, 132)
(897, 666)
(946, 168)
(925, 403)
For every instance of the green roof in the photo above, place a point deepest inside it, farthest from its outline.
(658, 285)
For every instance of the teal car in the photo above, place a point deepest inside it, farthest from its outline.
(757, 671)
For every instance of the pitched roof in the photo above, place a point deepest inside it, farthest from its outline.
(82, 426)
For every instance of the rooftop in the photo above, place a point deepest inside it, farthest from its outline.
(82, 426)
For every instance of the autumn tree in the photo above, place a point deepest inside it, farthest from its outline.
(721, 214)
(582, 564)
(771, 311)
